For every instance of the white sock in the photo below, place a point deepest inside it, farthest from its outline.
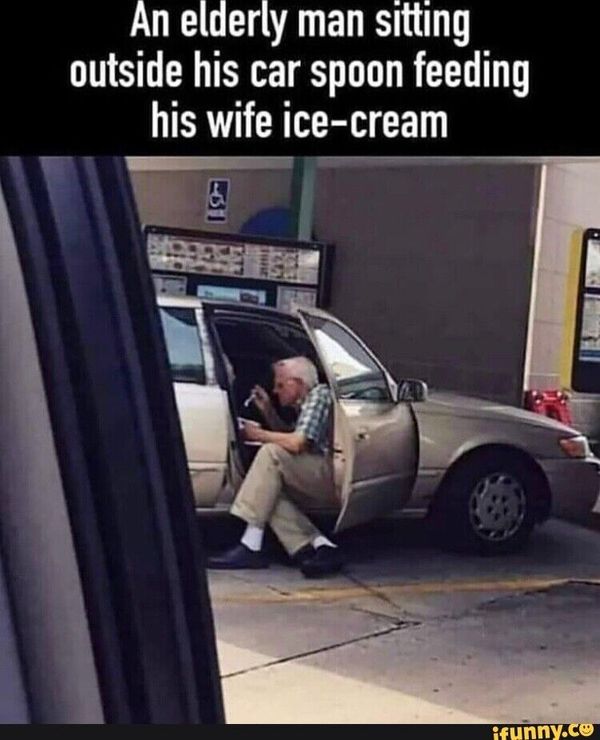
(253, 538)
(322, 541)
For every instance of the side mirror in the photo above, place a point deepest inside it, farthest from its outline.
(412, 391)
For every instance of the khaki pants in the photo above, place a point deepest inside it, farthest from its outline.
(276, 481)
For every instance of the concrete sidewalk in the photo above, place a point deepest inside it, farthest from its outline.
(295, 693)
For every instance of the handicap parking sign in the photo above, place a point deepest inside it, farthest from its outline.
(217, 200)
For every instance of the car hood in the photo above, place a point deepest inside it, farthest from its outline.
(443, 402)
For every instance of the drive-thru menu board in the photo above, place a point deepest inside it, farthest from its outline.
(586, 358)
(589, 347)
(274, 272)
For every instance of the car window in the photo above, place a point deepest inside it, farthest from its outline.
(252, 345)
(273, 340)
(356, 373)
(184, 345)
(294, 339)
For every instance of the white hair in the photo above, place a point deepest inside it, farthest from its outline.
(300, 368)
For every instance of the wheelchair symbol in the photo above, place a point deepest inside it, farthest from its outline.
(216, 201)
(215, 198)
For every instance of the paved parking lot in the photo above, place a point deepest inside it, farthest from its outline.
(412, 634)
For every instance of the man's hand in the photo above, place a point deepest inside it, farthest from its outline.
(252, 432)
(263, 403)
(293, 443)
(262, 400)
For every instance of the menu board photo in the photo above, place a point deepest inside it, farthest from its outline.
(592, 266)
(179, 253)
(281, 264)
(290, 298)
(589, 347)
(264, 271)
(585, 374)
(589, 341)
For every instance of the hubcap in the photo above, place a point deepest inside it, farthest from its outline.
(497, 507)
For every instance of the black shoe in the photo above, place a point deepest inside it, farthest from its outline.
(325, 561)
(238, 557)
(302, 555)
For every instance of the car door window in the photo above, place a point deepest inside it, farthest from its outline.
(357, 375)
(252, 345)
(184, 345)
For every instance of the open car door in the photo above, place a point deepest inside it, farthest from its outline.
(375, 437)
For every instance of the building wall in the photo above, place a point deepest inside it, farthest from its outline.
(169, 198)
(433, 263)
(434, 268)
(571, 203)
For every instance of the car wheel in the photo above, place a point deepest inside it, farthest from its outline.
(487, 504)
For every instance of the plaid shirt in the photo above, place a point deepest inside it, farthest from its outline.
(313, 420)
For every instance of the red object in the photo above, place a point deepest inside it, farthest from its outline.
(554, 404)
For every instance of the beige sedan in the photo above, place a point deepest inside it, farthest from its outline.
(483, 472)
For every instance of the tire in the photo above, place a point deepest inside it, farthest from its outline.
(487, 505)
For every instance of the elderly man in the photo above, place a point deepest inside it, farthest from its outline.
(293, 467)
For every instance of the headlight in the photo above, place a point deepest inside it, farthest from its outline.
(576, 447)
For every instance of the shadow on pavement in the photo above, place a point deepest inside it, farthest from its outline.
(365, 543)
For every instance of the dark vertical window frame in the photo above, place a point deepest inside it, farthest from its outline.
(118, 438)
(133, 261)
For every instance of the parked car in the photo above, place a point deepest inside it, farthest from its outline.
(484, 473)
